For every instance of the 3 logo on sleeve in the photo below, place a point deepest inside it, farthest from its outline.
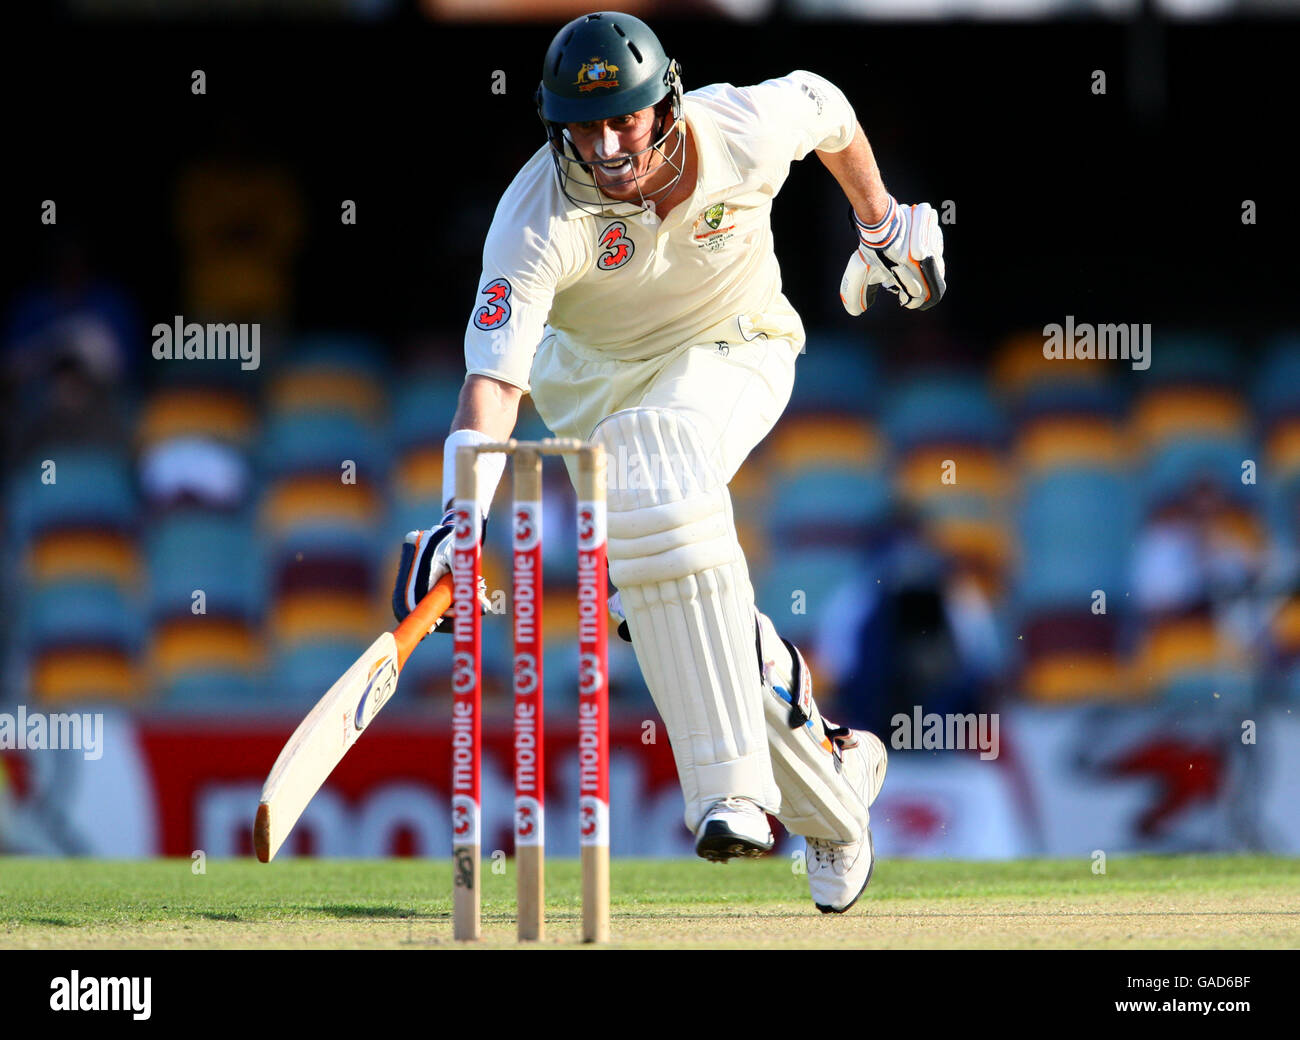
(496, 312)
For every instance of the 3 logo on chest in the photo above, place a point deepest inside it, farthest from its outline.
(616, 247)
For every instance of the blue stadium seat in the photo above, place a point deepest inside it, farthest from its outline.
(836, 374)
(950, 407)
(843, 500)
(1077, 505)
(1101, 398)
(1076, 530)
(220, 554)
(1062, 576)
(1175, 467)
(80, 612)
(799, 584)
(1282, 507)
(320, 442)
(375, 545)
(91, 487)
(1277, 384)
(214, 691)
(301, 674)
(423, 406)
(333, 350)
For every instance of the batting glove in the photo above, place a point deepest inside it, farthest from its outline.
(904, 253)
(426, 557)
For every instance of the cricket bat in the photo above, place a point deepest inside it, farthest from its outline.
(324, 736)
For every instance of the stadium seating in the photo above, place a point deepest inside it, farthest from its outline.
(283, 500)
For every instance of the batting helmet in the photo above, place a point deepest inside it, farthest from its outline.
(599, 66)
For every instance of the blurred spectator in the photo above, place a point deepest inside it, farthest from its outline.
(195, 470)
(1197, 567)
(70, 339)
(1193, 555)
(912, 630)
(72, 311)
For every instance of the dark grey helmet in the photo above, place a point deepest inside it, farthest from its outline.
(599, 66)
(602, 65)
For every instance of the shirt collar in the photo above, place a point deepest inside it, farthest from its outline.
(716, 168)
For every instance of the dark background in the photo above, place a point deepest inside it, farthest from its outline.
(1123, 207)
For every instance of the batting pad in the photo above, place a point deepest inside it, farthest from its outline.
(684, 586)
(824, 793)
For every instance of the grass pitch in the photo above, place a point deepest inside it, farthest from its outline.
(1177, 902)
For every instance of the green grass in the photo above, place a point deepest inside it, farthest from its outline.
(1141, 901)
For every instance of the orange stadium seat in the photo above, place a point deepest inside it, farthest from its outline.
(326, 388)
(1172, 413)
(307, 501)
(805, 442)
(977, 470)
(1072, 655)
(188, 411)
(1070, 441)
(84, 553)
(1019, 367)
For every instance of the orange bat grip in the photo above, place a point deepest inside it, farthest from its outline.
(420, 621)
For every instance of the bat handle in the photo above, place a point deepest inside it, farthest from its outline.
(419, 622)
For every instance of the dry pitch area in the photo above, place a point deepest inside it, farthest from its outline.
(1147, 902)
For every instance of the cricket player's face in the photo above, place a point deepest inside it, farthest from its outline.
(618, 151)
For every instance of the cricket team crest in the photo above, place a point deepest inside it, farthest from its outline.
(596, 73)
(714, 227)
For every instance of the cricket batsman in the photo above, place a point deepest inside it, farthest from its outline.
(630, 285)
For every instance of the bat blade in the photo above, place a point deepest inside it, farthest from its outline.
(333, 725)
(320, 742)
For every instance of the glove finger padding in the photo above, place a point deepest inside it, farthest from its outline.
(860, 283)
(922, 275)
(413, 570)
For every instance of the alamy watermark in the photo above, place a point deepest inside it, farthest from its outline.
(1087, 342)
(193, 341)
(648, 471)
(953, 732)
(130, 993)
(36, 731)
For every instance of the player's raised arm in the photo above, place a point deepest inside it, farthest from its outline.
(899, 246)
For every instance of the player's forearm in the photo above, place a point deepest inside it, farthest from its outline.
(858, 175)
(487, 405)
(486, 412)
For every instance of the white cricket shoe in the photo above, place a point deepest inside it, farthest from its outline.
(733, 827)
(838, 872)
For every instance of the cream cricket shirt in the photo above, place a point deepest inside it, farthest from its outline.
(628, 288)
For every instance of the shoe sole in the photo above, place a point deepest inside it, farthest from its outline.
(723, 844)
(871, 847)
